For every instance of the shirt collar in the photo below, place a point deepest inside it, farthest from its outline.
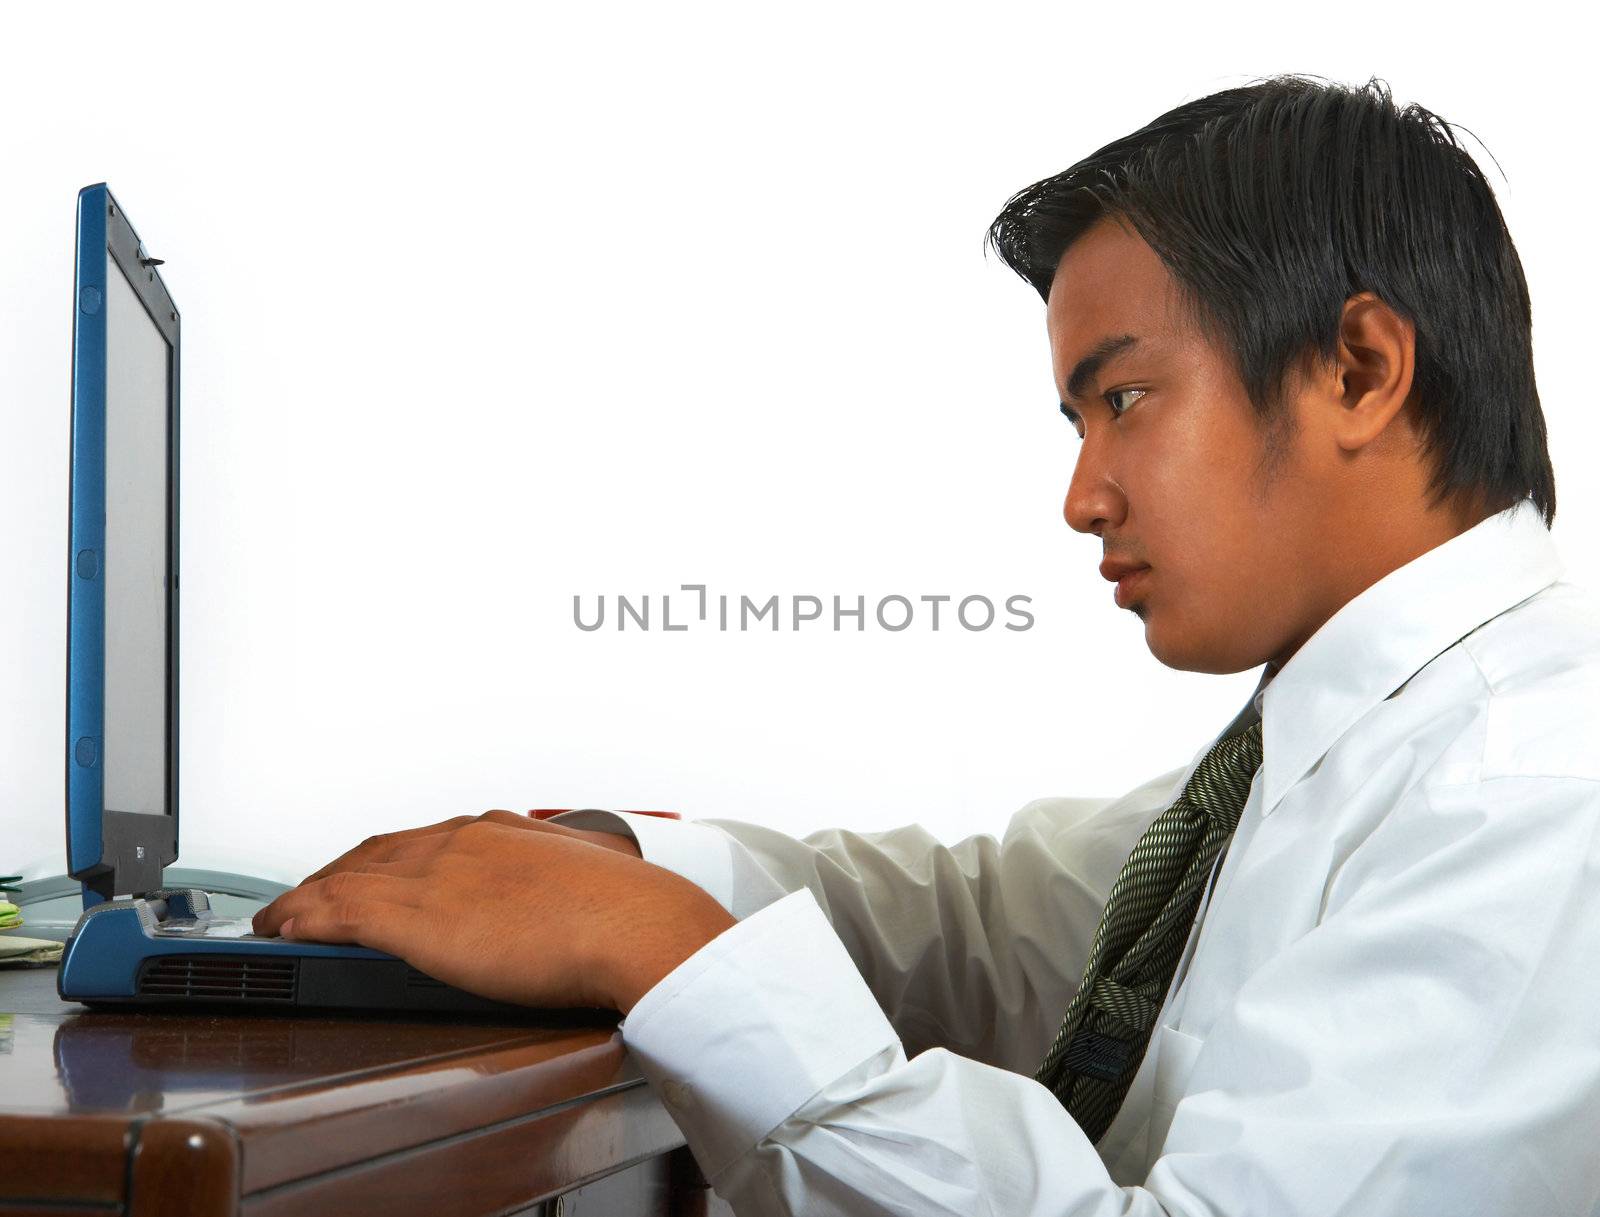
(1384, 636)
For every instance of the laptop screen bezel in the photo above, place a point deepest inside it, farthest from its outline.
(113, 853)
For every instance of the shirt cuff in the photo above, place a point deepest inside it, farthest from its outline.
(741, 1034)
(700, 854)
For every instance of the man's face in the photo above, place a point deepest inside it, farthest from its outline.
(1179, 480)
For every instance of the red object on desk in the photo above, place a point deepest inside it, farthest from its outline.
(544, 813)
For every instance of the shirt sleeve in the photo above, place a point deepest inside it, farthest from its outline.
(795, 1096)
(1422, 1049)
(975, 947)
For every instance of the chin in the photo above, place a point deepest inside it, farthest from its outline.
(1192, 651)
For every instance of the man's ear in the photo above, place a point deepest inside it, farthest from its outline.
(1372, 369)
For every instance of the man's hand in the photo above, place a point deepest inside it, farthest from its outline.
(511, 908)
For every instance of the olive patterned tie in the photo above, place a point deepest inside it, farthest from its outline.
(1143, 930)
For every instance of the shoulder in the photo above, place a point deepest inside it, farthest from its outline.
(1099, 832)
(1540, 666)
(1060, 815)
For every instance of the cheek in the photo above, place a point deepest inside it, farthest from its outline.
(1199, 525)
(1182, 492)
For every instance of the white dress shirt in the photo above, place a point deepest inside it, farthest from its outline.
(1389, 1005)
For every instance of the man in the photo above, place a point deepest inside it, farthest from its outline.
(1342, 962)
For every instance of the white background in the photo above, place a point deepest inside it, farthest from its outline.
(483, 310)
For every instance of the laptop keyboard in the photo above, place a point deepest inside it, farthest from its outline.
(211, 927)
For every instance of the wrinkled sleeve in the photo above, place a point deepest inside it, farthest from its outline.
(1422, 1049)
(975, 947)
(795, 1096)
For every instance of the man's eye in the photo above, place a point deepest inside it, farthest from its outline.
(1118, 393)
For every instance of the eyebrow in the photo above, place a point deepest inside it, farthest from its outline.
(1087, 368)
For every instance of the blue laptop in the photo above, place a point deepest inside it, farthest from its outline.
(139, 941)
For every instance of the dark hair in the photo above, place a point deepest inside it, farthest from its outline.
(1272, 204)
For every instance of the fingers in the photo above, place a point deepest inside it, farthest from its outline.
(383, 927)
(414, 847)
(344, 907)
(411, 855)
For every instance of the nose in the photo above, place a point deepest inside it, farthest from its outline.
(1094, 500)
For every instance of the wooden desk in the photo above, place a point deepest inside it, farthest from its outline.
(271, 1115)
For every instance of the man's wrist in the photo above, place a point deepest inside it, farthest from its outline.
(682, 922)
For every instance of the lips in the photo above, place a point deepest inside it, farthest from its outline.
(1114, 569)
(1131, 584)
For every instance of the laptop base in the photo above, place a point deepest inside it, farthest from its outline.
(168, 948)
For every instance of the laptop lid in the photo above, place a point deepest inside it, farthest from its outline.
(122, 601)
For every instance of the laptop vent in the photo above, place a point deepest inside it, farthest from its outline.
(218, 978)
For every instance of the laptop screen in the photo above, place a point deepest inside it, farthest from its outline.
(122, 602)
(134, 746)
